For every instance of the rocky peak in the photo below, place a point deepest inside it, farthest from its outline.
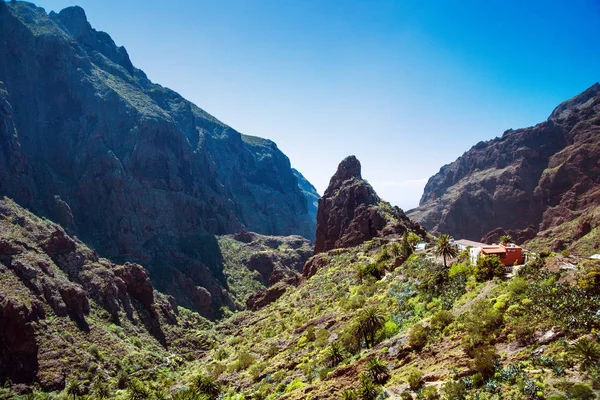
(584, 100)
(74, 19)
(349, 168)
(350, 212)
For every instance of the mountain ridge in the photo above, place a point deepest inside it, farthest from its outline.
(527, 181)
(130, 167)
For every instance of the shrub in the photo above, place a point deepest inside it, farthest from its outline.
(524, 331)
(371, 270)
(417, 337)
(137, 390)
(488, 267)
(587, 353)
(206, 385)
(454, 390)
(368, 390)
(406, 396)
(390, 329)
(484, 360)
(122, 379)
(581, 392)
(441, 319)
(517, 286)
(589, 277)
(293, 385)
(414, 379)
(378, 371)
(349, 394)
(430, 393)
(243, 361)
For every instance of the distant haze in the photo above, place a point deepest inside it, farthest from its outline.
(406, 86)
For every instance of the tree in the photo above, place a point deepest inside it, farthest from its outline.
(445, 248)
(488, 267)
(406, 249)
(378, 371)
(75, 388)
(413, 239)
(369, 322)
(505, 239)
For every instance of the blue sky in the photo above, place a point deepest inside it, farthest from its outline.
(406, 86)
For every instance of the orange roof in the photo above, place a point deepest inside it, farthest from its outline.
(493, 250)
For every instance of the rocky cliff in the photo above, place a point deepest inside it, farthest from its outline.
(529, 181)
(131, 167)
(57, 297)
(350, 212)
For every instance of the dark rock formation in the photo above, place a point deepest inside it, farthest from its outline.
(266, 297)
(544, 176)
(130, 167)
(44, 272)
(350, 212)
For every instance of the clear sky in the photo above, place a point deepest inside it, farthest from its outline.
(407, 86)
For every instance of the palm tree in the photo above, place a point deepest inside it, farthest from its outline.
(75, 388)
(587, 352)
(505, 239)
(335, 354)
(378, 371)
(445, 248)
(369, 322)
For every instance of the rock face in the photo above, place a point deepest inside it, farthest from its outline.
(527, 181)
(350, 212)
(49, 284)
(254, 263)
(131, 167)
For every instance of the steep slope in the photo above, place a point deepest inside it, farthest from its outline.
(350, 212)
(527, 181)
(311, 194)
(66, 313)
(130, 167)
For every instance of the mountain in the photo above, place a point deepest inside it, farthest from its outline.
(350, 212)
(130, 167)
(64, 309)
(532, 182)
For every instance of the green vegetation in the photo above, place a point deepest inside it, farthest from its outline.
(445, 249)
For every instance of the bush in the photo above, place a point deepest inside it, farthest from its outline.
(293, 385)
(441, 319)
(371, 270)
(454, 390)
(488, 267)
(417, 337)
(589, 277)
(587, 353)
(484, 360)
(414, 379)
(368, 390)
(206, 385)
(406, 396)
(243, 361)
(581, 392)
(430, 393)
